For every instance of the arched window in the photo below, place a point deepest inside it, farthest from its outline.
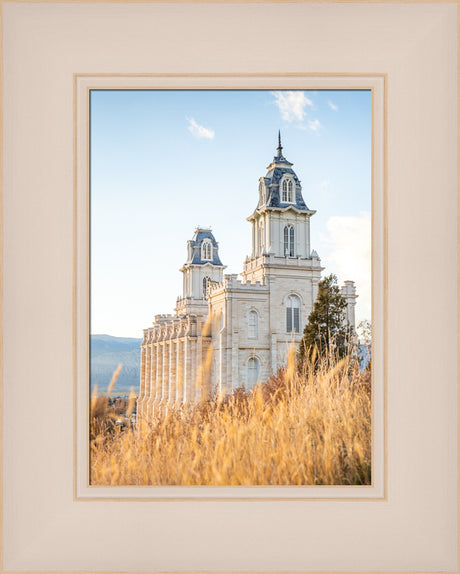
(284, 197)
(287, 191)
(289, 241)
(206, 281)
(293, 314)
(206, 250)
(253, 371)
(261, 238)
(253, 324)
(290, 191)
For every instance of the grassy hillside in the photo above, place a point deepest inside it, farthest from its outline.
(297, 428)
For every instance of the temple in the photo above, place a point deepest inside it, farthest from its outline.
(227, 331)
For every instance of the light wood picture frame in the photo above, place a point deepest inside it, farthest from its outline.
(410, 50)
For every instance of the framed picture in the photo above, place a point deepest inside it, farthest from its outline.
(63, 127)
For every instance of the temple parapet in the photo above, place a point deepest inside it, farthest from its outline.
(168, 327)
(163, 318)
(266, 259)
(232, 283)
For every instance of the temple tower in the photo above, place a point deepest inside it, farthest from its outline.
(281, 256)
(203, 266)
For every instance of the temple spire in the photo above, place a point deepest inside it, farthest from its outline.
(279, 158)
(280, 147)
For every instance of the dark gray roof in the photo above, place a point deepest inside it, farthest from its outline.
(273, 197)
(195, 246)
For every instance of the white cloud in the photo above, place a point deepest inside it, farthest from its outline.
(311, 125)
(332, 106)
(314, 125)
(292, 105)
(349, 244)
(200, 131)
(325, 184)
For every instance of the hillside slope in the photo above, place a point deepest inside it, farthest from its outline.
(106, 354)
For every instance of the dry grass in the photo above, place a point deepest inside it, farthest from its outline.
(295, 429)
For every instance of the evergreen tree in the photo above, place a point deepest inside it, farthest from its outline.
(327, 328)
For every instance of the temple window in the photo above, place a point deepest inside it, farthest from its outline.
(253, 371)
(293, 314)
(289, 237)
(206, 251)
(287, 188)
(253, 324)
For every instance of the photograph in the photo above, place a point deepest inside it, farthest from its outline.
(230, 287)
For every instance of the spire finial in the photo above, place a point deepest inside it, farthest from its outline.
(280, 147)
(279, 158)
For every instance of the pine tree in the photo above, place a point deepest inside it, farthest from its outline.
(327, 329)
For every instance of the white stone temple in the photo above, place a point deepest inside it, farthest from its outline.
(229, 332)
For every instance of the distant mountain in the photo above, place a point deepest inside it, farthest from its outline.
(106, 353)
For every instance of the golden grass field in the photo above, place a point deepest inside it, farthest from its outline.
(309, 428)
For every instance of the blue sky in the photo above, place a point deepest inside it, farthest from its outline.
(166, 161)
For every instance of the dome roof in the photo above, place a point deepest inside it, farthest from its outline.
(279, 170)
(202, 235)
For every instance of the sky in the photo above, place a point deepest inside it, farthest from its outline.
(166, 161)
